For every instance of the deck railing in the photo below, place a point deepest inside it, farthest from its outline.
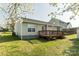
(50, 32)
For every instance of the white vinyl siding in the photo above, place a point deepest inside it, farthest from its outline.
(34, 28)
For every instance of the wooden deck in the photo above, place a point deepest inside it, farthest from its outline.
(49, 34)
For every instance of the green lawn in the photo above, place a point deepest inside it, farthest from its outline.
(13, 46)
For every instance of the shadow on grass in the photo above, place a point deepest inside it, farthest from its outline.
(39, 40)
(8, 38)
(74, 50)
(36, 40)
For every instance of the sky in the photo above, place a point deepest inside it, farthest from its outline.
(40, 12)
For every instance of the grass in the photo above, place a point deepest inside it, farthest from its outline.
(13, 46)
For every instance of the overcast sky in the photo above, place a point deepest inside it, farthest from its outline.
(41, 11)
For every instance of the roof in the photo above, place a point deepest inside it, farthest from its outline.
(58, 20)
(28, 20)
(68, 23)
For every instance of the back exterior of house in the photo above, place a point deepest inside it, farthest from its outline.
(29, 28)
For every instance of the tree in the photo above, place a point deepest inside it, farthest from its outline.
(66, 7)
(14, 12)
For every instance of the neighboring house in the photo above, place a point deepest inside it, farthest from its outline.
(2, 29)
(29, 28)
(70, 31)
(69, 25)
(59, 24)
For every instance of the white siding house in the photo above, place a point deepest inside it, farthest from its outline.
(69, 25)
(29, 28)
(59, 24)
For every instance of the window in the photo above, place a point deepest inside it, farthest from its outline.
(31, 29)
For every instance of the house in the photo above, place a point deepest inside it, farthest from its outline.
(69, 25)
(70, 31)
(1, 29)
(29, 28)
(60, 24)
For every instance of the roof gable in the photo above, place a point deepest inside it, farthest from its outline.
(55, 19)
